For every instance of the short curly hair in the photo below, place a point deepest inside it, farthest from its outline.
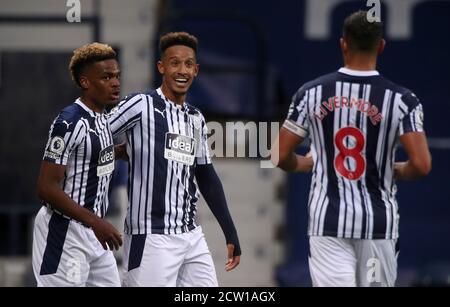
(87, 55)
(178, 38)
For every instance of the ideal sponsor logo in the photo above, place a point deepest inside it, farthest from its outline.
(180, 148)
(106, 161)
(106, 156)
(180, 143)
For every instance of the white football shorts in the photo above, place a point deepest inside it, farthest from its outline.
(68, 254)
(175, 260)
(338, 262)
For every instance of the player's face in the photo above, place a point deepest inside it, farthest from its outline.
(101, 82)
(179, 68)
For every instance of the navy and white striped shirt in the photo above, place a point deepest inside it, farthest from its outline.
(165, 142)
(354, 120)
(81, 139)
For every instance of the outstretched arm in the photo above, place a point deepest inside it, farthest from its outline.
(212, 190)
(283, 153)
(419, 157)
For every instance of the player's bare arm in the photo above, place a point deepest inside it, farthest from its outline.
(283, 153)
(50, 178)
(419, 162)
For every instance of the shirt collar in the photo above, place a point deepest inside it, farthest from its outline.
(86, 108)
(160, 93)
(358, 73)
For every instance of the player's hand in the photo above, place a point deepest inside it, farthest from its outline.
(309, 154)
(398, 169)
(120, 151)
(106, 234)
(304, 164)
(232, 261)
(309, 162)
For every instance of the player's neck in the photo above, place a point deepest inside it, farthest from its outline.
(361, 62)
(91, 104)
(177, 99)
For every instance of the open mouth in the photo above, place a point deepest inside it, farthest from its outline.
(115, 95)
(181, 81)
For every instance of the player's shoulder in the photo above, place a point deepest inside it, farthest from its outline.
(69, 119)
(391, 85)
(131, 98)
(194, 111)
(155, 98)
(126, 103)
(71, 114)
(321, 80)
(191, 109)
(135, 95)
(407, 96)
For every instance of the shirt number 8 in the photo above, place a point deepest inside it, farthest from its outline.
(346, 152)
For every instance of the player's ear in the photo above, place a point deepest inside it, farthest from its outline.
(197, 69)
(381, 46)
(84, 82)
(344, 45)
(160, 66)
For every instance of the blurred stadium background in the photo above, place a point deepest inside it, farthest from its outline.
(253, 56)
